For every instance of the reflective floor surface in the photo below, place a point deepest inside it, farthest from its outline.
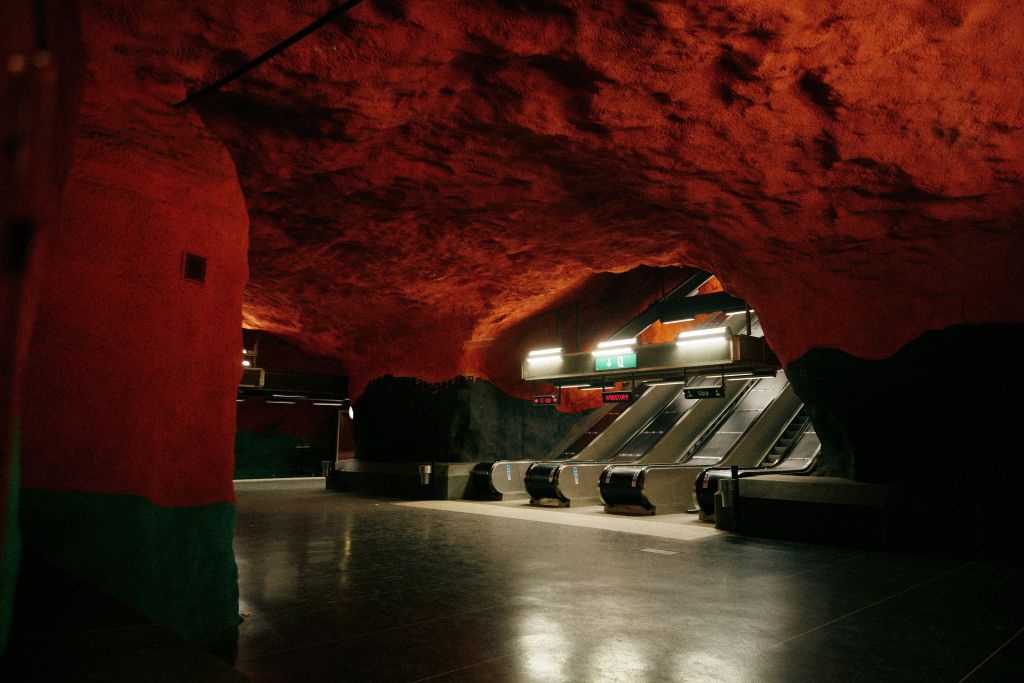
(339, 587)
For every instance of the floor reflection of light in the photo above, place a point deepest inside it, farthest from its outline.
(544, 648)
(708, 665)
(346, 548)
(618, 659)
(279, 581)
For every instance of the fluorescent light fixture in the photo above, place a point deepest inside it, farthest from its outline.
(544, 359)
(544, 352)
(239, 400)
(611, 344)
(592, 388)
(336, 405)
(288, 396)
(618, 351)
(711, 332)
(575, 386)
(681, 320)
(284, 403)
(731, 313)
(740, 378)
(246, 363)
(703, 341)
(351, 413)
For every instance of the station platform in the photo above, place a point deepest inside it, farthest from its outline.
(347, 587)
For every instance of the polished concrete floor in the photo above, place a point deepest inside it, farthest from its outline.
(338, 587)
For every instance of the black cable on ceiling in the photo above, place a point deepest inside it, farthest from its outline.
(276, 50)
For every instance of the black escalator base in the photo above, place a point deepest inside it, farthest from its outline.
(622, 491)
(480, 486)
(542, 485)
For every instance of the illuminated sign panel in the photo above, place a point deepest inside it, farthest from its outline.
(547, 400)
(617, 396)
(705, 392)
(623, 361)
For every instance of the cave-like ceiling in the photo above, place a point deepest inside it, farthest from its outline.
(420, 175)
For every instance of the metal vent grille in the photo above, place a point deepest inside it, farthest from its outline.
(193, 267)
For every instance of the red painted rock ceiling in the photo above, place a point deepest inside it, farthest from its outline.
(423, 177)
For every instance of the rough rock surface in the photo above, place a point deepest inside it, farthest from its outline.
(420, 175)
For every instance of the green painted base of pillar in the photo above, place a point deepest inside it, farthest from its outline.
(10, 542)
(173, 565)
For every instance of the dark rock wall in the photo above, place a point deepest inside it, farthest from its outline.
(463, 420)
(949, 398)
(939, 419)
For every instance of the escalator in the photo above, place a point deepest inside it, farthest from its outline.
(676, 431)
(745, 433)
(795, 452)
(593, 436)
(503, 480)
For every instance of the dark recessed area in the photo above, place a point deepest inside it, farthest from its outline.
(193, 267)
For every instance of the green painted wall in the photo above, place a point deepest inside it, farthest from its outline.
(175, 565)
(268, 454)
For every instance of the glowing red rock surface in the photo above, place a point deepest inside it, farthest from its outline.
(420, 175)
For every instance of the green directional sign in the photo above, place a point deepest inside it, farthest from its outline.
(704, 392)
(623, 361)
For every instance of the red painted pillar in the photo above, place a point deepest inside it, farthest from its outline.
(129, 411)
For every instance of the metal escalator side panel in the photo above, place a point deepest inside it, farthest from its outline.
(579, 430)
(689, 429)
(634, 418)
(507, 476)
(644, 440)
(575, 484)
(753, 446)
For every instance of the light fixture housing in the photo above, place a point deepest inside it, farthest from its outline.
(616, 351)
(710, 332)
(537, 353)
(700, 337)
(615, 343)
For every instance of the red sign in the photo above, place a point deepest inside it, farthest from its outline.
(617, 396)
(549, 400)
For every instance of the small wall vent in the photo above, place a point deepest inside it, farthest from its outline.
(193, 267)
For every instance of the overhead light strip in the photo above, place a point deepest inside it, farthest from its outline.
(612, 352)
(711, 332)
(613, 343)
